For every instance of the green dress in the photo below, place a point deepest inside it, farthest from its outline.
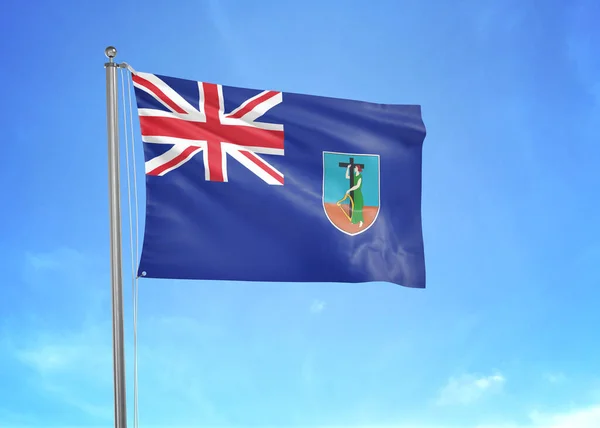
(357, 212)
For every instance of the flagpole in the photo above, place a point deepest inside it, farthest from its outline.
(115, 239)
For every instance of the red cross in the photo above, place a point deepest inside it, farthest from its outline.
(212, 131)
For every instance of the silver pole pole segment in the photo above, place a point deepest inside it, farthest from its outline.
(115, 239)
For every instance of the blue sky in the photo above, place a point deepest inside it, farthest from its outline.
(505, 335)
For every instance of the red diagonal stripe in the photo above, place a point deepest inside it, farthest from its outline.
(262, 165)
(152, 87)
(177, 159)
(248, 107)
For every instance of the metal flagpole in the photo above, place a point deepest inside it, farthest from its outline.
(115, 238)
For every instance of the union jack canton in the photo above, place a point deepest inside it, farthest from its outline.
(204, 126)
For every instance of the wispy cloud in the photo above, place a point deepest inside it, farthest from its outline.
(69, 364)
(67, 288)
(73, 368)
(55, 355)
(555, 377)
(308, 370)
(317, 306)
(587, 417)
(469, 388)
(499, 18)
(58, 259)
(10, 418)
(76, 369)
(56, 341)
(582, 45)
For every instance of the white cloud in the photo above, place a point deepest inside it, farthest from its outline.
(317, 306)
(469, 388)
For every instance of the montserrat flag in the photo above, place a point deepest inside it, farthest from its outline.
(262, 185)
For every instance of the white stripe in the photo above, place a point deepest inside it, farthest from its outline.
(158, 139)
(168, 156)
(221, 103)
(254, 167)
(193, 117)
(201, 101)
(206, 165)
(262, 108)
(267, 165)
(170, 93)
(259, 125)
(262, 150)
(224, 161)
(248, 101)
(153, 95)
(249, 118)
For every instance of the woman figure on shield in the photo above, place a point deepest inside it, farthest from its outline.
(357, 210)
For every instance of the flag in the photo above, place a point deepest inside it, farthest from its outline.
(263, 185)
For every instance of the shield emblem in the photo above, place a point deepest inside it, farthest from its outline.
(351, 190)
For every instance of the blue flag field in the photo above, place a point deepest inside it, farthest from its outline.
(261, 185)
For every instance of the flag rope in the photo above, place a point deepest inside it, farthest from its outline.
(132, 222)
(339, 204)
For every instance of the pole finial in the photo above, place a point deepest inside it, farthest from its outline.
(110, 53)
